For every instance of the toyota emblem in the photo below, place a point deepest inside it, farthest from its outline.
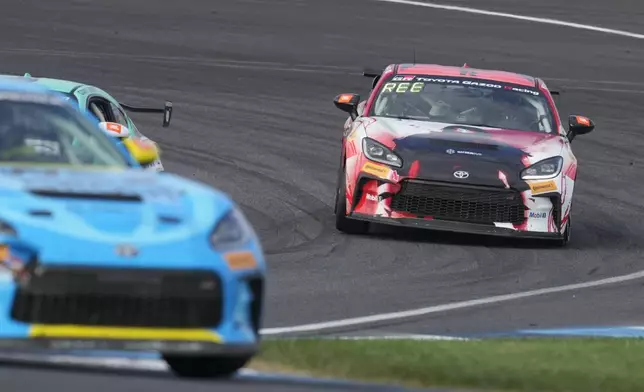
(126, 250)
(450, 151)
(461, 174)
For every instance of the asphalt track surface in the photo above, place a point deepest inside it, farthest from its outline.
(29, 375)
(253, 83)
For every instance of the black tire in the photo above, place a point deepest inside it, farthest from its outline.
(206, 366)
(342, 223)
(566, 234)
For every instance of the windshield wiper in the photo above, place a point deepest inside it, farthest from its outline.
(478, 125)
(408, 118)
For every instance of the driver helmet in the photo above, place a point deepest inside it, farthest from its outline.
(506, 97)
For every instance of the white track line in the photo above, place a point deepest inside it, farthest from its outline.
(315, 327)
(518, 17)
(606, 90)
(398, 337)
(585, 82)
(72, 360)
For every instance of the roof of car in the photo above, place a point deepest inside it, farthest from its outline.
(60, 85)
(19, 85)
(11, 87)
(465, 71)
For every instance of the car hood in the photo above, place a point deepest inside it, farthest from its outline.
(490, 156)
(107, 206)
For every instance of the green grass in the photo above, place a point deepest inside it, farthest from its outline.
(570, 365)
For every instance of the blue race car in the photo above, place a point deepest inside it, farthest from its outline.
(98, 254)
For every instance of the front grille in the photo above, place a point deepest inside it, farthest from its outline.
(460, 203)
(119, 297)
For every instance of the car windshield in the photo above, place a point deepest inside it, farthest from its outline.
(465, 101)
(36, 129)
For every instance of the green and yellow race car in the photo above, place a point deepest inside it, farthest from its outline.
(107, 110)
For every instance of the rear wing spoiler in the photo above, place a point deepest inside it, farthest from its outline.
(167, 111)
(371, 73)
(555, 96)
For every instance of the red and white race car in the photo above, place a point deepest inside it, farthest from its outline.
(457, 149)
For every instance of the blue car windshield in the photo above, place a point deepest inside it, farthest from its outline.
(70, 97)
(36, 131)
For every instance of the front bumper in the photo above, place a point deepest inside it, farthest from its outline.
(456, 227)
(459, 207)
(191, 312)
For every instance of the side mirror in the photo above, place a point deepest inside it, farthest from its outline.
(348, 103)
(579, 125)
(115, 129)
(143, 151)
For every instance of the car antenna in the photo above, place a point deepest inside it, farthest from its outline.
(414, 56)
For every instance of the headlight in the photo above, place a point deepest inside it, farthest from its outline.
(548, 168)
(233, 230)
(6, 229)
(379, 153)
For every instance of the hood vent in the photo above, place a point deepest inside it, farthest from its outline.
(464, 145)
(170, 219)
(87, 196)
(40, 213)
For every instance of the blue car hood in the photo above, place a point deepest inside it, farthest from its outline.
(107, 206)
